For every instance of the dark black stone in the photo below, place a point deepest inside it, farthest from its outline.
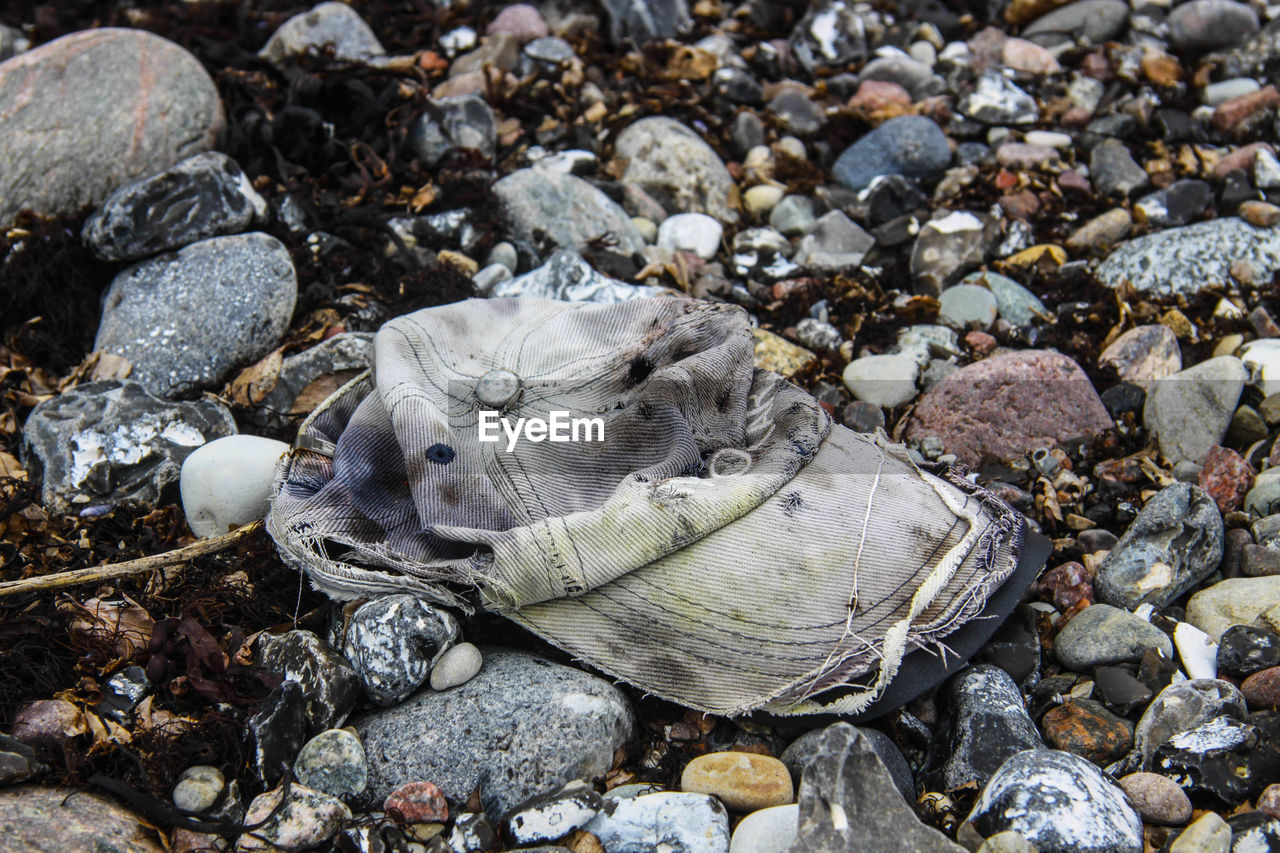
(122, 693)
(1244, 650)
(893, 196)
(1156, 671)
(1120, 690)
(279, 730)
(1186, 200)
(449, 124)
(1177, 126)
(738, 87)
(1124, 397)
(974, 153)
(1235, 190)
(1049, 693)
(1015, 647)
(1215, 762)
(642, 21)
(985, 723)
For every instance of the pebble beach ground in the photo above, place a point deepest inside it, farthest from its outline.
(1033, 238)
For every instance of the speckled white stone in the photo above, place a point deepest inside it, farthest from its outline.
(226, 483)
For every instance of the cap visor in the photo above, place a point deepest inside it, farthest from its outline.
(758, 612)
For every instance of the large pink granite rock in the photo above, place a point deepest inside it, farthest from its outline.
(85, 113)
(1008, 405)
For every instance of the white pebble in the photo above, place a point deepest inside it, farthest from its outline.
(1199, 653)
(882, 380)
(226, 483)
(456, 666)
(645, 226)
(1048, 138)
(691, 232)
(770, 830)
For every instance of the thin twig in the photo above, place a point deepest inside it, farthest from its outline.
(131, 567)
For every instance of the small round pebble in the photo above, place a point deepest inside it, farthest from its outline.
(771, 830)
(884, 380)
(1157, 798)
(743, 781)
(198, 788)
(762, 198)
(457, 666)
(416, 802)
(1262, 689)
(691, 232)
(333, 762)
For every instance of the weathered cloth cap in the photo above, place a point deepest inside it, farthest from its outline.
(725, 546)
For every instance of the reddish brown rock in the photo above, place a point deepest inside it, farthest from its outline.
(1242, 158)
(1022, 55)
(1066, 586)
(90, 111)
(875, 95)
(981, 343)
(1262, 689)
(1084, 727)
(48, 723)
(417, 802)
(1226, 477)
(1008, 405)
(1257, 561)
(1230, 113)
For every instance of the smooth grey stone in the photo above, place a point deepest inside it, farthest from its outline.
(997, 100)
(18, 761)
(203, 196)
(849, 802)
(568, 277)
(674, 165)
(1017, 305)
(1263, 498)
(188, 318)
(1092, 21)
(1210, 24)
(967, 306)
(1191, 411)
(910, 146)
(90, 111)
(797, 111)
(832, 33)
(1174, 543)
(551, 52)
(451, 124)
(793, 215)
(1181, 707)
(1225, 90)
(767, 830)
(198, 788)
(111, 442)
(334, 763)
(946, 248)
(739, 87)
(522, 727)
(562, 208)
(1113, 169)
(1058, 802)
(328, 26)
(804, 749)
(984, 722)
(747, 131)
(1184, 260)
(914, 76)
(1101, 634)
(393, 641)
(52, 820)
(329, 684)
(555, 815)
(834, 243)
(642, 21)
(308, 377)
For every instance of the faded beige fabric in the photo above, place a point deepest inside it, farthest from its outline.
(725, 546)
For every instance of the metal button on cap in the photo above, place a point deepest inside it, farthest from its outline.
(497, 388)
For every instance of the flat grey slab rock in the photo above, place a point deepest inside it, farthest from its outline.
(56, 820)
(107, 442)
(566, 210)
(186, 319)
(523, 726)
(849, 802)
(1187, 259)
(203, 196)
(90, 111)
(1191, 410)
